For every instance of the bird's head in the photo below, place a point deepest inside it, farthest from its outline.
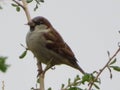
(39, 22)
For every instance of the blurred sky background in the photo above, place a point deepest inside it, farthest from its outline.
(90, 28)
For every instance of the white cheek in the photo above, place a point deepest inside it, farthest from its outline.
(35, 38)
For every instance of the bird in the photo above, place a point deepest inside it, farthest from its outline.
(48, 46)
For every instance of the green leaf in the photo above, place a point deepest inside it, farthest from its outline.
(77, 77)
(1, 7)
(76, 80)
(17, 8)
(69, 81)
(87, 77)
(96, 86)
(110, 71)
(62, 86)
(37, 1)
(23, 54)
(114, 61)
(36, 7)
(117, 68)
(41, 0)
(38, 80)
(108, 53)
(14, 5)
(50, 88)
(29, 1)
(118, 31)
(3, 65)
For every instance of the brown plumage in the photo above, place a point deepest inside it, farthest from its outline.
(47, 44)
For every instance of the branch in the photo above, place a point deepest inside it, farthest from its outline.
(19, 4)
(106, 65)
(40, 75)
(3, 85)
(25, 8)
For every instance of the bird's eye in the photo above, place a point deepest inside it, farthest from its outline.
(38, 23)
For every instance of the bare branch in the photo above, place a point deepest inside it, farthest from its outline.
(40, 75)
(26, 10)
(99, 73)
(3, 85)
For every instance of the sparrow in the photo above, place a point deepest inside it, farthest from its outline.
(48, 46)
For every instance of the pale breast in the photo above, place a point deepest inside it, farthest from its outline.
(34, 40)
(37, 44)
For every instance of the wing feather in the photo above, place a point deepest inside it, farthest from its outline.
(58, 45)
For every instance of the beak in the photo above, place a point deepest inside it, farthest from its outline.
(30, 23)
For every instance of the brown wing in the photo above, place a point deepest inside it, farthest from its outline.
(58, 45)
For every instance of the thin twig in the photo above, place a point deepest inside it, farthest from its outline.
(106, 65)
(3, 85)
(41, 75)
(18, 3)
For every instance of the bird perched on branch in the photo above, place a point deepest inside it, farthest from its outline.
(48, 46)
